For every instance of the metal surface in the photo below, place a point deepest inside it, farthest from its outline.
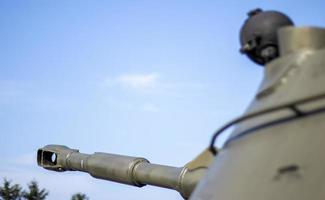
(300, 39)
(125, 169)
(282, 161)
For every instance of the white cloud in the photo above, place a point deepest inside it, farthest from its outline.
(149, 107)
(134, 81)
(138, 81)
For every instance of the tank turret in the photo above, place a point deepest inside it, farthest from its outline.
(276, 149)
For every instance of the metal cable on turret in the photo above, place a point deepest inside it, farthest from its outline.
(290, 106)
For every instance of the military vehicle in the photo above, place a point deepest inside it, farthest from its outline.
(276, 148)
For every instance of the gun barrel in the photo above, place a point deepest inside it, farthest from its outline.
(118, 168)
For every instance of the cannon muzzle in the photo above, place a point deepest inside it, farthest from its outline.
(134, 171)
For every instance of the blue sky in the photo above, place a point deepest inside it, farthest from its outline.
(142, 78)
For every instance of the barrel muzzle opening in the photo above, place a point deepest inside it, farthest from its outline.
(48, 160)
(53, 157)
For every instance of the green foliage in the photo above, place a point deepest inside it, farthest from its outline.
(34, 192)
(14, 192)
(79, 196)
(10, 192)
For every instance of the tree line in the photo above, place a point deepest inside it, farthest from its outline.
(9, 191)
